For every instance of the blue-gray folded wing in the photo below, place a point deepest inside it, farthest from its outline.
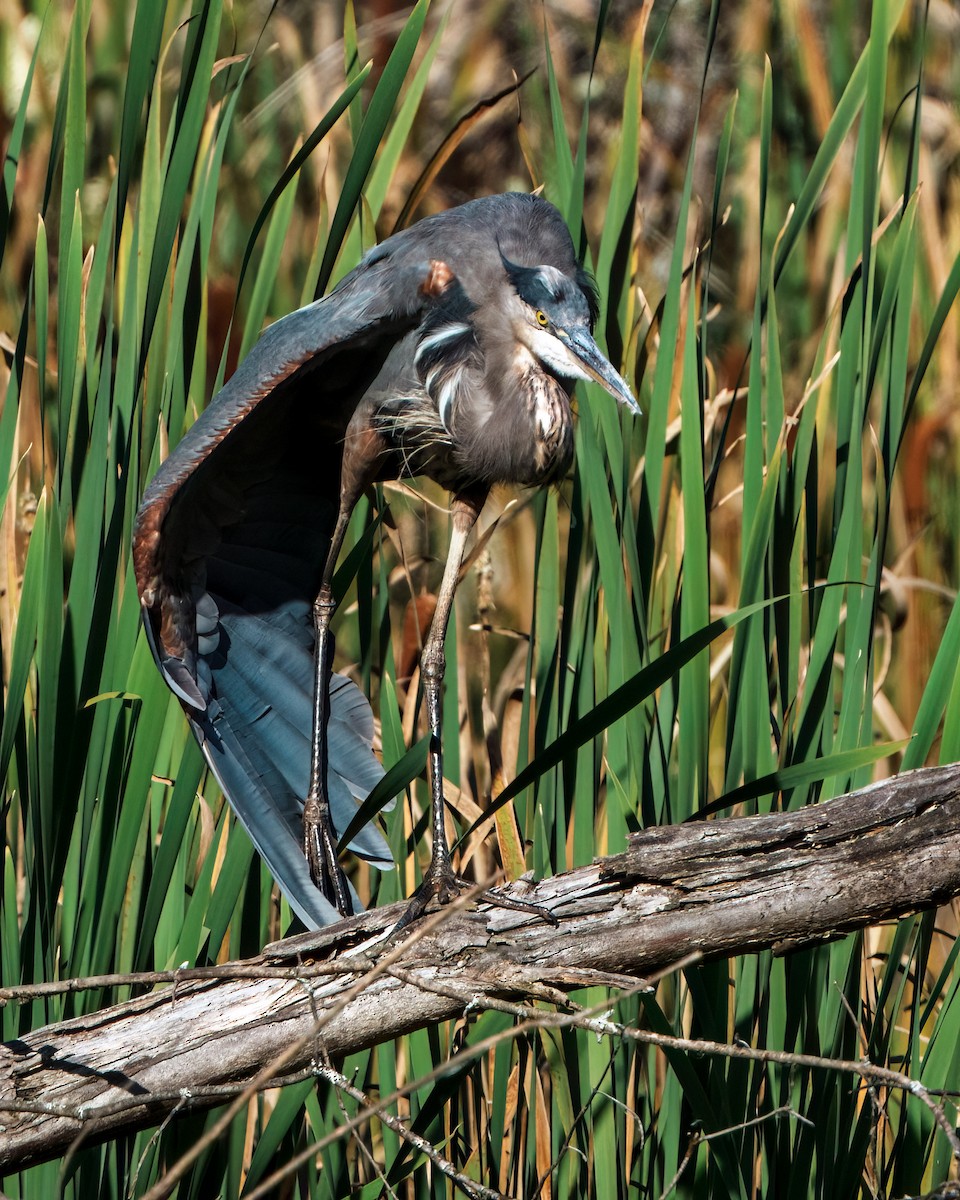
(229, 548)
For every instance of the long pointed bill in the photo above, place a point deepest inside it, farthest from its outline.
(587, 355)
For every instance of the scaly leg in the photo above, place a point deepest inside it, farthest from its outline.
(440, 881)
(362, 451)
(320, 839)
(441, 884)
(319, 835)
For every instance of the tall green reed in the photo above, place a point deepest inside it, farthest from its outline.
(663, 688)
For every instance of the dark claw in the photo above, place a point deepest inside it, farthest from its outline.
(498, 900)
(442, 885)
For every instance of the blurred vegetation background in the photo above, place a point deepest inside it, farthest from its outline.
(769, 195)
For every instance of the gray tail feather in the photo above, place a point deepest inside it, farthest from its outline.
(255, 663)
(256, 737)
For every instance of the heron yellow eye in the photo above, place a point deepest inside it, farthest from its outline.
(542, 319)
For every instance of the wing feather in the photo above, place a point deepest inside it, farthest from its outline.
(229, 547)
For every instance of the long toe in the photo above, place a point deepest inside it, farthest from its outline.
(320, 848)
(441, 887)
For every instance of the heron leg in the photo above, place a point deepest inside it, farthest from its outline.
(319, 835)
(441, 884)
(440, 880)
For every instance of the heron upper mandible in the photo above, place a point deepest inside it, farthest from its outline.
(451, 351)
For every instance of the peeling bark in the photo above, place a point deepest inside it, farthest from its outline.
(713, 888)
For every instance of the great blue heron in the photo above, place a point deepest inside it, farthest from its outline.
(451, 351)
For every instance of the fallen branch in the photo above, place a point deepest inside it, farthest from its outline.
(709, 889)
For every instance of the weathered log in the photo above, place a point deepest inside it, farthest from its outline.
(714, 888)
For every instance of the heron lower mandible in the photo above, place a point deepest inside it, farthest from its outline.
(451, 351)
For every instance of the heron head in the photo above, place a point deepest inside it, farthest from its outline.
(552, 317)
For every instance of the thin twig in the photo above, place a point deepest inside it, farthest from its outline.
(362, 1148)
(165, 1185)
(584, 1019)
(565, 1144)
(221, 973)
(468, 1186)
(699, 1138)
(532, 1020)
(692, 1145)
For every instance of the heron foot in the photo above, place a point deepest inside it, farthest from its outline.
(320, 849)
(442, 885)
